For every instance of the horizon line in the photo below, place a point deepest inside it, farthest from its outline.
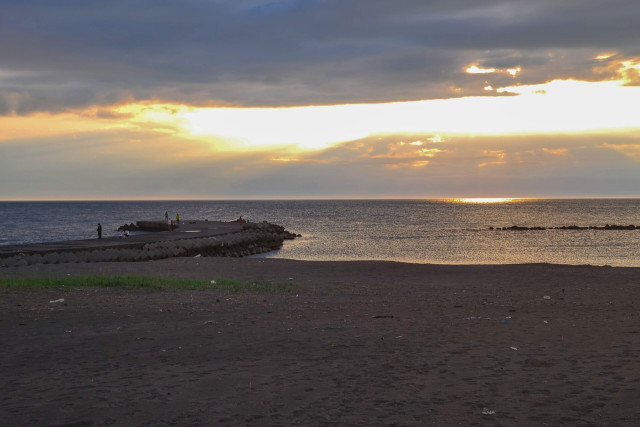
(357, 198)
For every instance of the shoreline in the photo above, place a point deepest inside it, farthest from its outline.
(255, 267)
(355, 342)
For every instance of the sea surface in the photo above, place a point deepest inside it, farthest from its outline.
(423, 231)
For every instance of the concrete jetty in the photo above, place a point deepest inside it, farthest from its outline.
(189, 238)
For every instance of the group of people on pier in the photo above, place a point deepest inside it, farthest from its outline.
(170, 222)
(166, 218)
(126, 233)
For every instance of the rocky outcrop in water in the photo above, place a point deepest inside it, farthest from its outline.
(569, 227)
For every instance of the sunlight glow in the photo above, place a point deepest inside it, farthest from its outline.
(485, 200)
(474, 69)
(304, 127)
(605, 55)
(630, 66)
(557, 106)
(285, 159)
(513, 71)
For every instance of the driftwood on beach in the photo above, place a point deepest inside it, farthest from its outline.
(191, 238)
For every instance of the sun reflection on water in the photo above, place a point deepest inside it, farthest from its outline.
(485, 200)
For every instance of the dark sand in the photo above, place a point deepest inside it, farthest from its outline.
(358, 343)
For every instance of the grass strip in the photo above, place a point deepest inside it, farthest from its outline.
(134, 282)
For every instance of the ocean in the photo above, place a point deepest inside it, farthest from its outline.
(421, 231)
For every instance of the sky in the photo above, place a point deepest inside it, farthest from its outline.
(264, 99)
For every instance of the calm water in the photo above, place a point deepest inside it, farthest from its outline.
(426, 231)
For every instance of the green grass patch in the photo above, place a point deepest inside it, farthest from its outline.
(133, 282)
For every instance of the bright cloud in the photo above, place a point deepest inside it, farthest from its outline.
(474, 69)
(557, 106)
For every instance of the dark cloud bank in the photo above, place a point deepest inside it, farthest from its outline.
(74, 53)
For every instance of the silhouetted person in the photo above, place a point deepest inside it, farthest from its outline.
(99, 231)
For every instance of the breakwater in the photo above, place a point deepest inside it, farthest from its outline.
(189, 239)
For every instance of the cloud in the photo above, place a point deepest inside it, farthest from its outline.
(555, 151)
(148, 163)
(629, 150)
(79, 53)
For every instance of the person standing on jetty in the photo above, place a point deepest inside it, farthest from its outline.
(99, 231)
(166, 217)
(177, 218)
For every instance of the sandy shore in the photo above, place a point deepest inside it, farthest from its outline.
(356, 343)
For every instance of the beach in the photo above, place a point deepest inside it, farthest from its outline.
(350, 343)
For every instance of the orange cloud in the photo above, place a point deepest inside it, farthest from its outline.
(555, 151)
(497, 158)
(402, 154)
(50, 125)
(285, 159)
(629, 150)
(414, 164)
(611, 65)
(631, 71)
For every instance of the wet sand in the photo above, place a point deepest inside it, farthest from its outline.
(355, 343)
